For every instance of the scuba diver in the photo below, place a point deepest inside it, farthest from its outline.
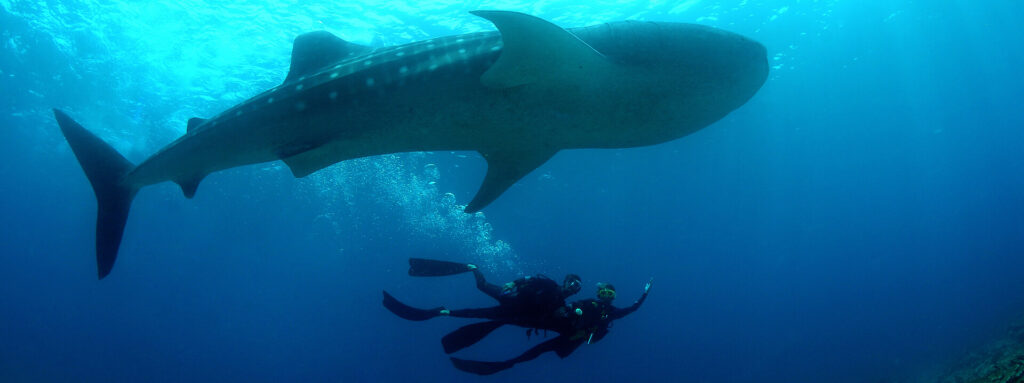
(588, 322)
(531, 302)
(526, 299)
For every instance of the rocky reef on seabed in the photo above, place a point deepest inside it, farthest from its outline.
(999, 361)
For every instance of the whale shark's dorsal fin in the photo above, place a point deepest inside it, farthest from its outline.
(193, 123)
(536, 50)
(504, 168)
(315, 50)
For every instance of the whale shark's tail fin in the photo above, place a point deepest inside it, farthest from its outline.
(104, 167)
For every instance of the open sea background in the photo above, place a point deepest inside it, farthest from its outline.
(861, 219)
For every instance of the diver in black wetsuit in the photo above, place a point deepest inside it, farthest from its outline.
(594, 316)
(533, 302)
(524, 304)
(526, 300)
(588, 322)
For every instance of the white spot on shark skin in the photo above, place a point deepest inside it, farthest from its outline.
(369, 81)
(430, 46)
(458, 41)
(462, 51)
(270, 100)
(300, 106)
(298, 87)
(238, 113)
(334, 75)
(403, 70)
(333, 96)
(400, 54)
(496, 48)
(368, 62)
(433, 67)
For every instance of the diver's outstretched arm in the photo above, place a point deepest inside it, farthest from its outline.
(619, 313)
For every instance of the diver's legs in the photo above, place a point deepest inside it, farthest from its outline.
(496, 312)
(562, 345)
(492, 290)
(468, 335)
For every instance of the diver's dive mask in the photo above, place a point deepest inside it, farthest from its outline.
(605, 291)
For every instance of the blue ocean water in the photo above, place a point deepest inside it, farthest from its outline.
(861, 219)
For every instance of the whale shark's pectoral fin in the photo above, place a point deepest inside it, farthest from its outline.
(504, 168)
(536, 50)
(315, 50)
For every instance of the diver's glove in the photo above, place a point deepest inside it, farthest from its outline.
(471, 266)
(643, 297)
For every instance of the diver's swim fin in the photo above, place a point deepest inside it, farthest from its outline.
(408, 312)
(419, 267)
(562, 345)
(481, 368)
(468, 335)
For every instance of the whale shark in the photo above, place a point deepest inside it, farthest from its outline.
(517, 96)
